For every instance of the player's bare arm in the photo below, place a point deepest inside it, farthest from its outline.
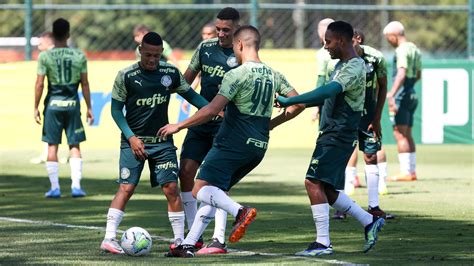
(203, 115)
(381, 96)
(288, 113)
(190, 75)
(39, 86)
(87, 97)
(397, 83)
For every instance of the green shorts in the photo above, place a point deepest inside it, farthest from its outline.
(406, 102)
(225, 167)
(162, 163)
(69, 119)
(329, 161)
(368, 144)
(198, 141)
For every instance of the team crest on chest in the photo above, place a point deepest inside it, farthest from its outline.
(166, 81)
(232, 61)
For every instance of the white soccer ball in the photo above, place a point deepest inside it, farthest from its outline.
(136, 241)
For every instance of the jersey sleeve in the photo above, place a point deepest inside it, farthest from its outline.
(195, 64)
(119, 91)
(331, 65)
(321, 62)
(381, 70)
(183, 86)
(230, 85)
(402, 57)
(41, 69)
(284, 86)
(350, 74)
(167, 50)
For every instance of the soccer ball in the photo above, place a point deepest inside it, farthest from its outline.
(136, 241)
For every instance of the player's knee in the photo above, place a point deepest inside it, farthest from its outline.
(127, 190)
(370, 158)
(171, 189)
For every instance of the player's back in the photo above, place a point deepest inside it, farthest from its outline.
(63, 68)
(250, 88)
(407, 56)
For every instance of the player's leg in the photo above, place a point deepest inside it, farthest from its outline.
(53, 125)
(75, 134)
(129, 175)
(404, 153)
(52, 168)
(351, 173)
(382, 166)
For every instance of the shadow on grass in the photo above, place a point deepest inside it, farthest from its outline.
(281, 227)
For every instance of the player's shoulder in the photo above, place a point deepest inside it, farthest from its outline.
(127, 71)
(209, 43)
(165, 67)
(371, 51)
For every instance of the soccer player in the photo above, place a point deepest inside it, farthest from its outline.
(139, 31)
(343, 100)
(144, 89)
(212, 58)
(240, 145)
(402, 99)
(66, 69)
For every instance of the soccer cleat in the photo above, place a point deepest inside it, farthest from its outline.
(339, 215)
(402, 177)
(376, 211)
(53, 193)
(111, 245)
(181, 251)
(176, 243)
(77, 192)
(371, 232)
(316, 249)
(245, 216)
(200, 243)
(214, 247)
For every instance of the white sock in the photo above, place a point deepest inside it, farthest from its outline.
(345, 204)
(204, 216)
(372, 177)
(382, 175)
(321, 220)
(190, 207)
(177, 223)
(216, 197)
(412, 156)
(404, 159)
(351, 173)
(52, 169)
(76, 172)
(220, 224)
(114, 217)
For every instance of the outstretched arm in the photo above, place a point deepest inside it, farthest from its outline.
(312, 98)
(194, 98)
(288, 113)
(201, 116)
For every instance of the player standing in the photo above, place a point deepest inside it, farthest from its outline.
(65, 68)
(402, 99)
(242, 141)
(343, 100)
(144, 89)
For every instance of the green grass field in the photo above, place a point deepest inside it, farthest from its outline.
(435, 218)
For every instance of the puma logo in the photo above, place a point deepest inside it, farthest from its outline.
(208, 54)
(139, 82)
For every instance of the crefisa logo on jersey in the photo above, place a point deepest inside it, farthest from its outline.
(166, 81)
(232, 61)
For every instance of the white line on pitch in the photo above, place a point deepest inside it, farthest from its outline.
(232, 251)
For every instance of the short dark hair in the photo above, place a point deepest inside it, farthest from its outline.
(229, 13)
(60, 29)
(251, 30)
(342, 28)
(152, 38)
(360, 33)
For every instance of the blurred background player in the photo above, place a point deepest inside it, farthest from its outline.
(242, 140)
(402, 99)
(208, 31)
(144, 89)
(168, 55)
(65, 69)
(212, 58)
(322, 60)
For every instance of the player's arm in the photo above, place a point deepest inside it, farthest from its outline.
(203, 115)
(39, 87)
(288, 113)
(381, 96)
(397, 84)
(194, 98)
(311, 98)
(86, 92)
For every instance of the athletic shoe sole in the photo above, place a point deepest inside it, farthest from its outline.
(210, 251)
(239, 232)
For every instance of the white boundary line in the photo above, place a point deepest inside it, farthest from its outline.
(165, 239)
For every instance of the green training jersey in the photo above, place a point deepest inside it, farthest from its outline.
(146, 95)
(322, 59)
(63, 68)
(341, 114)
(250, 89)
(167, 50)
(213, 61)
(408, 56)
(375, 67)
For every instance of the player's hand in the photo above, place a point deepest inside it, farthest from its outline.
(392, 107)
(138, 148)
(90, 117)
(281, 101)
(167, 130)
(219, 116)
(315, 115)
(37, 116)
(376, 128)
